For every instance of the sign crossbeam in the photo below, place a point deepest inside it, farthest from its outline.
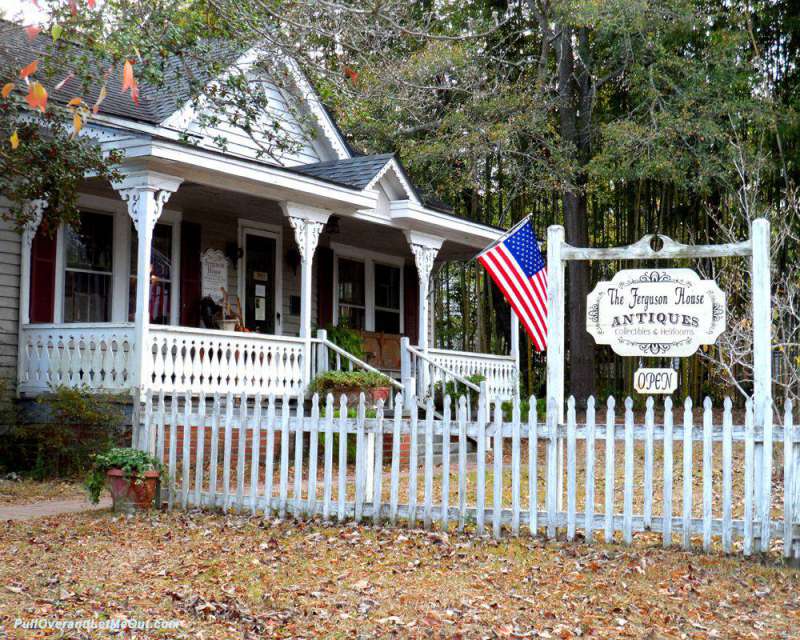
(670, 250)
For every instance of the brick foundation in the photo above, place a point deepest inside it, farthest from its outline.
(193, 436)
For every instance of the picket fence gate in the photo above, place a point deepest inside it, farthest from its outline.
(235, 455)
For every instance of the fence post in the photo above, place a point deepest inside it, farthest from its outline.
(322, 352)
(555, 343)
(762, 348)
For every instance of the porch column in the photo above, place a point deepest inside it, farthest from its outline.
(145, 192)
(307, 222)
(35, 208)
(425, 247)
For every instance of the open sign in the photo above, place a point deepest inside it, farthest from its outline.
(651, 381)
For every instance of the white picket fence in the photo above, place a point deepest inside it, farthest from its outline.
(738, 492)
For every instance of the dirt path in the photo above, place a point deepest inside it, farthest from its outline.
(49, 508)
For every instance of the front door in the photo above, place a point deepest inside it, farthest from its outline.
(259, 292)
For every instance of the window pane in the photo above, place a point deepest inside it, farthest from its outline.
(86, 297)
(161, 253)
(160, 275)
(351, 282)
(387, 321)
(351, 317)
(387, 286)
(160, 296)
(89, 246)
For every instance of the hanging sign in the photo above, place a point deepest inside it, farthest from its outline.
(652, 381)
(214, 274)
(656, 312)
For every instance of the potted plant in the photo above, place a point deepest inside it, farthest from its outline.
(131, 476)
(375, 386)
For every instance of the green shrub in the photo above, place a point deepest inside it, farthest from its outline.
(352, 446)
(132, 462)
(455, 390)
(524, 409)
(79, 424)
(345, 338)
(332, 381)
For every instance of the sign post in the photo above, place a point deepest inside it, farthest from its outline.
(709, 313)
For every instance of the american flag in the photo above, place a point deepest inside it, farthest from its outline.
(517, 267)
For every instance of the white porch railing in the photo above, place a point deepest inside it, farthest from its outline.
(440, 366)
(100, 356)
(97, 356)
(186, 359)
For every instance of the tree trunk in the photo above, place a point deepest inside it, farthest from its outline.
(575, 121)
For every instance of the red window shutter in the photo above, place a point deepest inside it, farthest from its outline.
(43, 277)
(411, 303)
(324, 258)
(190, 274)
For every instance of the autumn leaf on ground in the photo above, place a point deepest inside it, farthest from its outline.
(37, 96)
(29, 70)
(14, 139)
(7, 89)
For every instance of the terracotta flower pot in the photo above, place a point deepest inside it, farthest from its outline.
(371, 395)
(130, 493)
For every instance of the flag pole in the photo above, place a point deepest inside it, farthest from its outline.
(502, 237)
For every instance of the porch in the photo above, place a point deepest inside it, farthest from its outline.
(294, 266)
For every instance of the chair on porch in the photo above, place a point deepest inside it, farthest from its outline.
(382, 351)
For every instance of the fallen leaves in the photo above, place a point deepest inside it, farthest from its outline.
(230, 576)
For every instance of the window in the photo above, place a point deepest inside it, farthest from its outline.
(88, 264)
(160, 275)
(387, 298)
(352, 301)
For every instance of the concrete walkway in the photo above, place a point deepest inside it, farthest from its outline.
(50, 508)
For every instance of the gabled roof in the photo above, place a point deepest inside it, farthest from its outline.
(355, 172)
(155, 103)
(183, 77)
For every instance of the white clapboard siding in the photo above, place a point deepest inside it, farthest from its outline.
(357, 491)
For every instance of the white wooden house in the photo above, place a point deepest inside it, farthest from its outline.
(318, 235)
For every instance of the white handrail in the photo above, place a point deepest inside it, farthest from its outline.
(453, 374)
(358, 362)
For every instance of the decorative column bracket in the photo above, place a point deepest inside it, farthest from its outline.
(306, 234)
(135, 196)
(424, 258)
(35, 210)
